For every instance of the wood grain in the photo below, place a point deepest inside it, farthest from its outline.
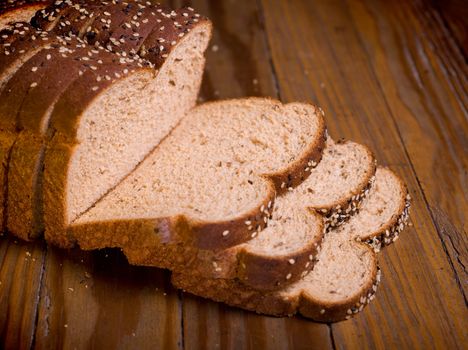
(426, 90)
(96, 300)
(21, 266)
(419, 304)
(390, 74)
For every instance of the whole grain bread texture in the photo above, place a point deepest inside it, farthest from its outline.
(346, 276)
(282, 252)
(211, 183)
(180, 77)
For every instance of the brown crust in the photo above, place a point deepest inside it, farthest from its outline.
(51, 76)
(24, 168)
(279, 303)
(7, 140)
(340, 211)
(149, 30)
(271, 272)
(10, 5)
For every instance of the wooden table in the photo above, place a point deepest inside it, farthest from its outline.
(390, 74)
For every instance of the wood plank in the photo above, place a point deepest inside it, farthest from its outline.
(20, 277)
(455, 14)
(217, 326)
(318, 56)
(425, 83)
(239, 66)
(96, 300)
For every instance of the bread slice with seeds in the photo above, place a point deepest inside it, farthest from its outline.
(28, 99)
(287, 247)
(232, 157)
(16, 47)
(346, 275)
(92, 151)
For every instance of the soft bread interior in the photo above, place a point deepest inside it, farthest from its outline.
(128, 120)
(345, 169)
(209, 167)
(346, 272)
(345, 268)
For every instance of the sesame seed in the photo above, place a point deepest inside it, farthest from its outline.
(322, 311)
(225, 233)
(292, 261)
(288, 276)
(33, 69)
(33, 85)
(248, 222)
(95, 88)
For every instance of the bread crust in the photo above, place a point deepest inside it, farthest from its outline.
(14, 11)
(286, 303)
(59, 17)
(340, 211)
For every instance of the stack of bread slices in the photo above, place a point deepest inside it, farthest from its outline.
(249, 201)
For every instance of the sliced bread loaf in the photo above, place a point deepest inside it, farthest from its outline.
(17, 45)
(345, 277)
(287, 247)
(28, 99)
(212, 181)
(102, 130)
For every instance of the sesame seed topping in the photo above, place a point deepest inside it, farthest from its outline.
(33, 85)
(292, 261)
(288, 276)
(225, 233)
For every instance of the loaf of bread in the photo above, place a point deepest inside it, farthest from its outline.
(174, 79)
(246, 201)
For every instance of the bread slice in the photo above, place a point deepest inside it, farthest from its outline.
(346, 275)
(29, 97)
(103, 129)
(12, 11)
(212, 182)
(287, 247)
(16, 47)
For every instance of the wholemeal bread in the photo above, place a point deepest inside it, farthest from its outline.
(212, 182)
(17, 45)
(346, 275)
(179, 78)
(287, 247)
(28, 99)
(94, 152)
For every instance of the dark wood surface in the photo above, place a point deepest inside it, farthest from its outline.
(390, 74)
